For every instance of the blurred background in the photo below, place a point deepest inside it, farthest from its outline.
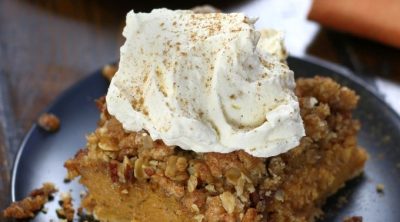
(47, 46)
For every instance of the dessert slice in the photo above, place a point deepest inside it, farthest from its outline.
(130, 177)
(203, 122)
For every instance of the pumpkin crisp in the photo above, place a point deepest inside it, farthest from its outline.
(130, 177)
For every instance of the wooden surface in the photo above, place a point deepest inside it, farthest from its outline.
(47, 46)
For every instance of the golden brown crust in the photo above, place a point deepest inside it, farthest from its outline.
(235, 186)
(27, 207)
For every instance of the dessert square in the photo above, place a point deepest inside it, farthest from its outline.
(131, 177)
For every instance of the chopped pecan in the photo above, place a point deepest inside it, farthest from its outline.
(113, 169)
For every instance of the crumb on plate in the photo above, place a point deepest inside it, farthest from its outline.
(353, 219)
(109, 71)
(67, 209)
(27, 207)
(49, 122)
(380, 188)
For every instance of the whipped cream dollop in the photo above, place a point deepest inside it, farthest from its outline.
(206, 82)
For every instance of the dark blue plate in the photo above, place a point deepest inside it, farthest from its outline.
(41, 156)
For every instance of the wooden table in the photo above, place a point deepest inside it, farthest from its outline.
(47, 46)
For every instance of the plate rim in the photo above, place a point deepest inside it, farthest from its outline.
(341, 70)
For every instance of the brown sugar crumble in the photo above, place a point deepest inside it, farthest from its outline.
(27, 207)
(67, 210)
(109, 71)
(353, 219)
(49, 122)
